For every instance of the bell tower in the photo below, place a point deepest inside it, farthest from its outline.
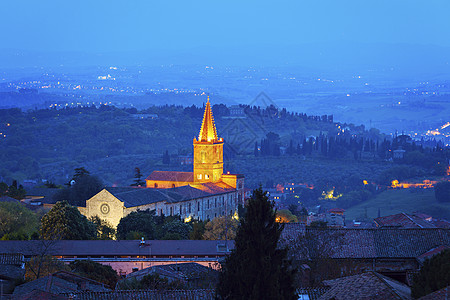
(208, 150)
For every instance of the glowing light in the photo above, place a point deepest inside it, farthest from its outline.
(188, 219)
(365, 182)
(236, 216)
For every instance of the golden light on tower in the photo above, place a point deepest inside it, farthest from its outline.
(208, 150)
(208, 131)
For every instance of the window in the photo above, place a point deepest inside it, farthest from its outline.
(171, 211)
(199, 176)
(156, 185)
(223, 201)
(215, 202)
(208, 203)
(206, 176)
(198, 206)
(231, 212)
(173, 185)
(181, 209)
(189, 207)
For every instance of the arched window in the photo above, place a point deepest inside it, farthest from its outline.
(189, 207)
(173, 185)
(181, 208)
(156, 185)
(171, 211)
(198, 206)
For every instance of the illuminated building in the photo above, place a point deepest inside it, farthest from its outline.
(203, 194)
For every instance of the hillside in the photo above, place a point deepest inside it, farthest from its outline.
(402, 200)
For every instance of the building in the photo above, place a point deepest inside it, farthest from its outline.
(12, 270)
(205, 193)
(393, 252)
(125, 256)
(193, 275)
(51, 286)
(411, 220)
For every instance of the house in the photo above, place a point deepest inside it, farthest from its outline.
(12, 269)
(58, 283)
(404, 220)
(193, 275)
(368, 285)
(237, 111)
(335, 217)
(393, 252)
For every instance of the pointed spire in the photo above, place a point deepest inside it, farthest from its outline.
(208, 131)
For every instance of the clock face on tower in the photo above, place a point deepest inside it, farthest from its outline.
(104, 208)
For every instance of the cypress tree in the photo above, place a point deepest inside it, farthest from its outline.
(257, 268)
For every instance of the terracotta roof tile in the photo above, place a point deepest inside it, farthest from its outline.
(369, 285)
(171, 176)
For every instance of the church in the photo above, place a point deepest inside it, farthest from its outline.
(203, 194)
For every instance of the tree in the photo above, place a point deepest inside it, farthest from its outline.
(442, 191)
(138, 175)
(257, 268)
(105, 231)
(141, 221)
(96, 271)
(84, 187)
(65, 222)
(285, 216)
(198, 229)
(176, 230)
(16, 191)
(434, 275)
(216, 228)
(17, 221)
(166, 158)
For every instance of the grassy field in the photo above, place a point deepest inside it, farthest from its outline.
(396, 201)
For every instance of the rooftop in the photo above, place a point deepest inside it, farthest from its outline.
(116, 248)
(366, 243)
(368, 285)
(171, 176)
(403, 220)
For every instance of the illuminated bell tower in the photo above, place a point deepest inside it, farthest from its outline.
(208, 150)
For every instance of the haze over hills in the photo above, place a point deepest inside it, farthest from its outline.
(405, 60)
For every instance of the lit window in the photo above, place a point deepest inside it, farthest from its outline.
(199, 176)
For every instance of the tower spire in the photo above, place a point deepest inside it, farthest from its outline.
(208, 131)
